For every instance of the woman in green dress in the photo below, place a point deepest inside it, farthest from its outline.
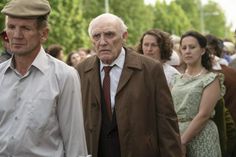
(195, 94)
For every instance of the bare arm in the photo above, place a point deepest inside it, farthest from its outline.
(210, 96)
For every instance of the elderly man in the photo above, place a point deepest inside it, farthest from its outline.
(128, 109)
(40, 98)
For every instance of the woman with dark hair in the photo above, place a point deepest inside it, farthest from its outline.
(73, 59)
(157, 44)
(56, 51)
(195, 94)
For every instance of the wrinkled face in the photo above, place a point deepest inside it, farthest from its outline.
(24, 35)
(75, 59)
(107, 39)
(150, 47)
(191, 51)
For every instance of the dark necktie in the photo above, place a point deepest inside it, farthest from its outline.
(106, 90)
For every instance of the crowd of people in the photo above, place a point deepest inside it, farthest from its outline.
(168, 96)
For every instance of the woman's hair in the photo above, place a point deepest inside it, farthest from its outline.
(206, 59)
(163, 40)
(54, 50)
(216, 43)
(68, 60)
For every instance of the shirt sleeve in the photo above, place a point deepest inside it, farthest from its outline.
(70, 116)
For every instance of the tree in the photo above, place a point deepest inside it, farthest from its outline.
(2, 18)
(192, 10)
(68, 27)
(214, 16)
(137, 16)
(171, 18)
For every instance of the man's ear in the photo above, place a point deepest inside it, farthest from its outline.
(44, 34)
(125, 36)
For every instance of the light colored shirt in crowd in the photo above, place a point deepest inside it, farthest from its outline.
(169, 73)
(41, 112)
(115, 74)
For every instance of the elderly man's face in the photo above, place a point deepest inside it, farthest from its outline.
(107, 40)
(24, 36)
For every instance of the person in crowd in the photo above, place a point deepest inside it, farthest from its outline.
(41, 107)
(176, 47)
(195, 94)
(157, 44)
(233, 56)
(56, 51)
(7, 52)
(73, 59)
(118, 121)
(229, 117)
(83, 53)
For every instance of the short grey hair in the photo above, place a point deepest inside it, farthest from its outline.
(123, 27)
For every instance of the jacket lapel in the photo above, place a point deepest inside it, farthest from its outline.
(93, 71)
(131, 64)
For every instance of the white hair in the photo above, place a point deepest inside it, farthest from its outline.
(108, 16)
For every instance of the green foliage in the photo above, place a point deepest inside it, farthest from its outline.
(214, 16)
(192, 11)
(2, 18)
(137, 16)
(170, 18)
(68, 27)
(69, 19)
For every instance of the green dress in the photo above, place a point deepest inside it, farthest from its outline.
(187, 93)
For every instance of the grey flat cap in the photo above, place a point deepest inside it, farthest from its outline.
(27, 8)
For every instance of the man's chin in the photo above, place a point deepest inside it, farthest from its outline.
(106, 59)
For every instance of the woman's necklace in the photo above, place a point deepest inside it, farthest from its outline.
(193, 76)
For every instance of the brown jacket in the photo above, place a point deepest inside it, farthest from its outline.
(146, 119)
(230, 84)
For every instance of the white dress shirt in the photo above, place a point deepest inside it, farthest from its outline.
(115, 74)
(41, 112)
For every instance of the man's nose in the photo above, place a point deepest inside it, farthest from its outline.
(103, 40)
(17, 33)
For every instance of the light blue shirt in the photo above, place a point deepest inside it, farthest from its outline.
(41, 112)
(115, 74)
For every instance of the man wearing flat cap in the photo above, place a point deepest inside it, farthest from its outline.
(40, 98)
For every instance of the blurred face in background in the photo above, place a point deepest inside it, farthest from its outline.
(82, 54)
(150, 47)
(75, 59)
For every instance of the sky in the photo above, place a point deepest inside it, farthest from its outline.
(228, 6)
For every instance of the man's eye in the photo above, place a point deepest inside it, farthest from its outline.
(10, 27)
(96, 36)
(109, 34)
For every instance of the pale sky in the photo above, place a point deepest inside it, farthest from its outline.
(228, 6)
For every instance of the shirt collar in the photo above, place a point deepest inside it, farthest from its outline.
(40, 62)
(119, 61)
